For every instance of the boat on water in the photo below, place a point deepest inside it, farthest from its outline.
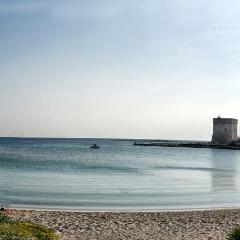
(94, 146)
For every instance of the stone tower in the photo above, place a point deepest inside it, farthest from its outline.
(224, 130)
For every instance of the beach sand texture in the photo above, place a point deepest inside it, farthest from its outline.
(204, 224)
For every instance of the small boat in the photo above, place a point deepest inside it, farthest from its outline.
(94, 146)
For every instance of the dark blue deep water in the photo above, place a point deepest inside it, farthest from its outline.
(66, 173)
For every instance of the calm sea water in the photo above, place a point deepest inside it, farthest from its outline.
(66, 173)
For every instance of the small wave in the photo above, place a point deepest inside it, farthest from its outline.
(54, 165)
(209, 169)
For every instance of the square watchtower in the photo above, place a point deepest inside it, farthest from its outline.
(224, 130)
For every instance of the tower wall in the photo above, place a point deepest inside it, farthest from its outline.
(224, 130)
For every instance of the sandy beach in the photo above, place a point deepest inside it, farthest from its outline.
(201, 224)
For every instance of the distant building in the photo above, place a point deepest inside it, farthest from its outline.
(224, 130)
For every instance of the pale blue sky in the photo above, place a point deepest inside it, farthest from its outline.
(110, 68)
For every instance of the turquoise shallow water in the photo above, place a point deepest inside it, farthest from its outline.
(66, 173)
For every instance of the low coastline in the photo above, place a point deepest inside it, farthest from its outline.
(177, 224)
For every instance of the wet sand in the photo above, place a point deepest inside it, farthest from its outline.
(204, 224)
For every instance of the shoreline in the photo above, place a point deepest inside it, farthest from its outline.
(186, 224)
(121, 210)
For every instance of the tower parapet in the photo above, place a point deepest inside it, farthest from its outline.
(224, 130)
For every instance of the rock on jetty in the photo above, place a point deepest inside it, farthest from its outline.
(190, 144)
(189, 225)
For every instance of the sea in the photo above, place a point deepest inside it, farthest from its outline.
(68, 174)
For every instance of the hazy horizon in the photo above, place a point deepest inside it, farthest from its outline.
(131, 69)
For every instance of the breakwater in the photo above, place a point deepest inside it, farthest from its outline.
(187, 144)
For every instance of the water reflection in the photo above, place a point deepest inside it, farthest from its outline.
(224, 170)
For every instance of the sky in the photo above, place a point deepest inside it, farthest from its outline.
(119, 69)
